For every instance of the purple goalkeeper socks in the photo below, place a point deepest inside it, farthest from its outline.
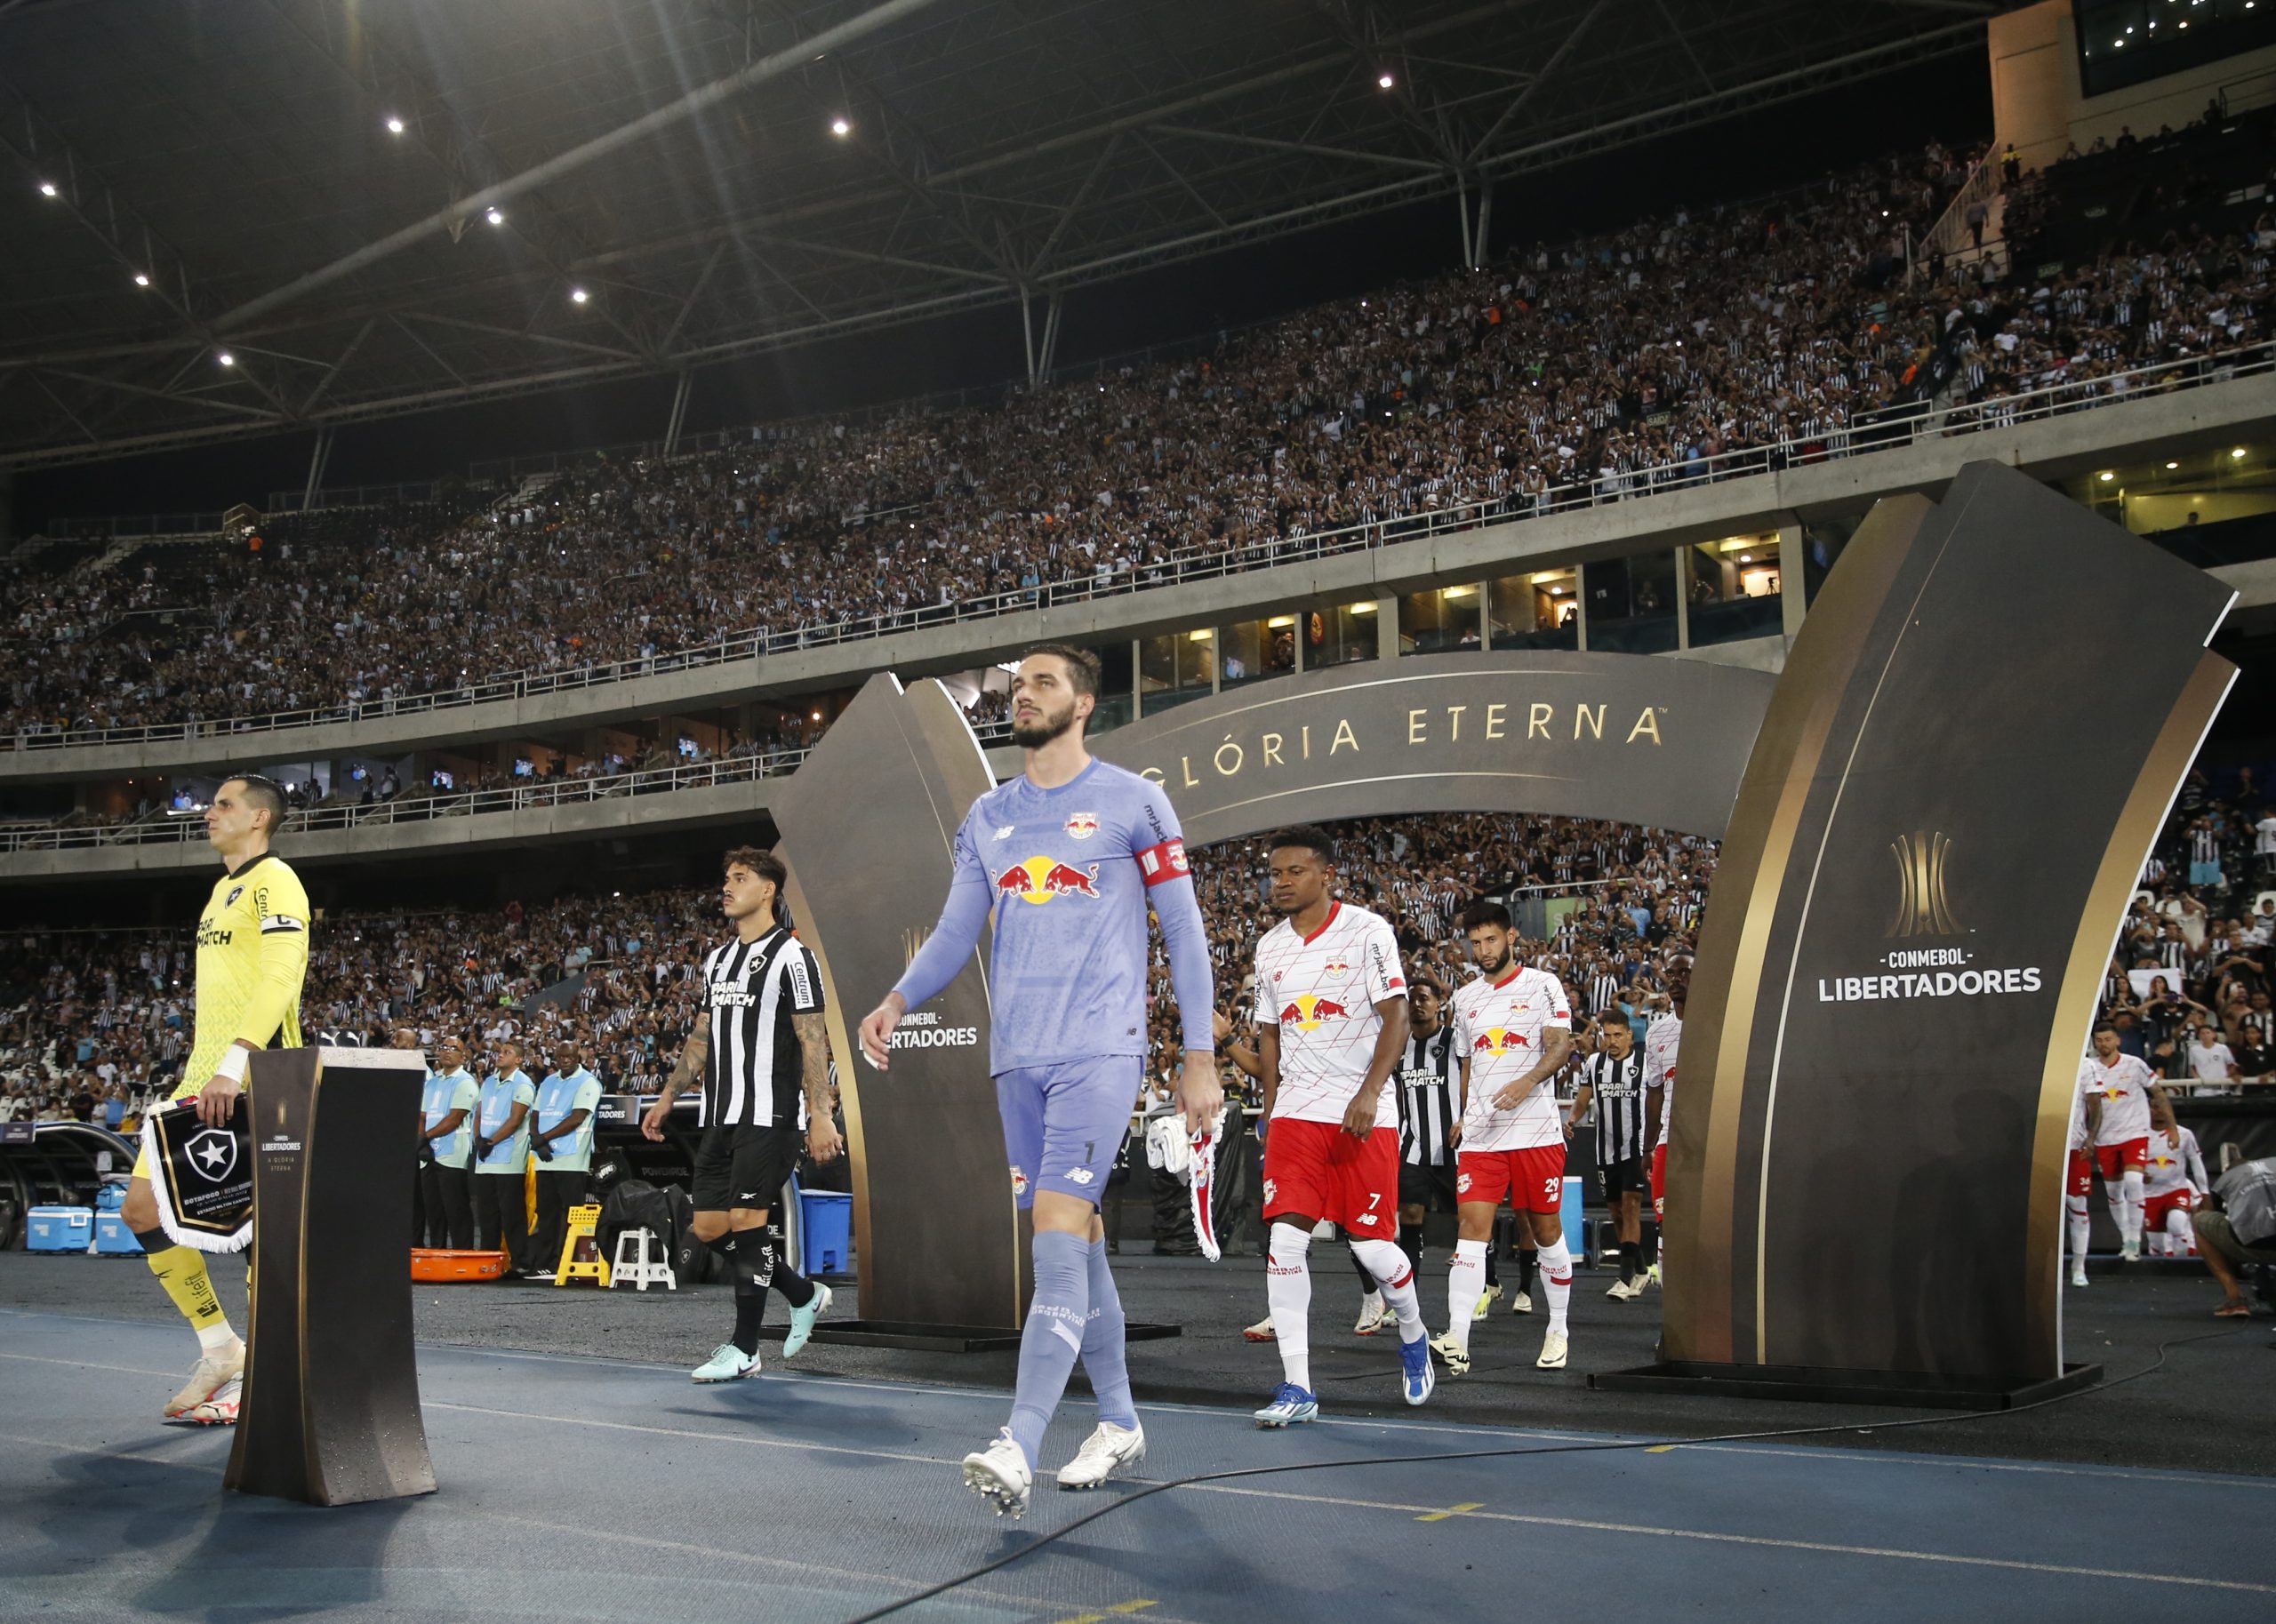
(1103, 1343)
(1058, 1319)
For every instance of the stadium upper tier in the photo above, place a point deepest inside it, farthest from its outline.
(1723, 368)
(2148, 412)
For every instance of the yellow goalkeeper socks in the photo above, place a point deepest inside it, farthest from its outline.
(181, 1270)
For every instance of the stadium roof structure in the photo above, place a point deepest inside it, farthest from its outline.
(225, 220)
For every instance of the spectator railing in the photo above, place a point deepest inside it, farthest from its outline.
(421, 808)
(1895, 428)
(417, 807)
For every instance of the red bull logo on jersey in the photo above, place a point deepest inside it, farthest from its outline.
(1082, 826)
(1499, 1040)
(1043, 879)
(1335, 967)
(1306, 1012)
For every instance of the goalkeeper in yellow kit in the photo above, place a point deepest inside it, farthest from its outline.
(252, 953)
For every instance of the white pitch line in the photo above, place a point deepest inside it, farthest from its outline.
(1586, 1524)
(1827, 1548)
(1356, 1423)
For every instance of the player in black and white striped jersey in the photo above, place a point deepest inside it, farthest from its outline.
(763, 1058)
(1603, 989)
(1613, 1079)
(1429, 1108)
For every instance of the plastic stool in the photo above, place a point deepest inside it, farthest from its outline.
(639, 1268)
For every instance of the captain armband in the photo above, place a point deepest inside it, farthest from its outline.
(1162, 863)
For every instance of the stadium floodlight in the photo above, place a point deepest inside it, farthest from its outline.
(141, 279)
(496, 217)
(47, 189)
(1383, 80)
(394, 124)
(840, 127)
(2106, 476)
(578, 296)
(2238, 454)
(226, 358)
(2171, 466)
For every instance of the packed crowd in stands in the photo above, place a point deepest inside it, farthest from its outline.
(94, 1024)
(86, 1013)
(1617, 905)
(2188, 987)
(1608, 366)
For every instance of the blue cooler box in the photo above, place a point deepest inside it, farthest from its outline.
(826, 1231)
(59, 1228)
(1568, 1208)
(113, 1238)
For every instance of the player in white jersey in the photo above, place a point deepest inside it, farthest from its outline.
(2078, 1184)
(1662, 1038)
(1513, 1029)
(2173, 1182)
(1331, 1026)
(2119, 1091)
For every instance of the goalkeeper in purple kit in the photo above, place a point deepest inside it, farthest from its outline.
(1066, 860)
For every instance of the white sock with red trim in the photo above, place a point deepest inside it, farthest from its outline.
(1396, 1276)
(2129, 1205)
(1556, 1280)
(1465, 1284)
(2081, 1225)
(1288, 1290)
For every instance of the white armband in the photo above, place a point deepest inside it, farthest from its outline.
(233, 1063)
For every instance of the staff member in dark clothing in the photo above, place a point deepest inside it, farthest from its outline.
(563, 1144)
(447, 1105)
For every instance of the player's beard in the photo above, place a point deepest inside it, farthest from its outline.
(1034, 735)
(1500, 967)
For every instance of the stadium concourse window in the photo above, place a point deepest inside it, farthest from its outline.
(1252, 650)
(1734, 590)
(1823, 541)
(1341, 636)
(1174, 668)
(2213, 507)
(1440, 622)
(1631, 602)
(1117, 699)
(2129, 41)
(1540, 610)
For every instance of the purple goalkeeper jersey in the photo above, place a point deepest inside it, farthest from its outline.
(1067, 876)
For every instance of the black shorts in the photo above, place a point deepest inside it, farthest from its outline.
(743, 1167)
(1622, 1177)
(1431, 1188)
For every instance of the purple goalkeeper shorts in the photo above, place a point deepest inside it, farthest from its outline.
(1062, 1125)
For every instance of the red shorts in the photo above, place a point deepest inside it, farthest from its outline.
(2111, 1161)
(1316, 1170)
(1659, 1180)
(1534, 1178)
(2154, 1209)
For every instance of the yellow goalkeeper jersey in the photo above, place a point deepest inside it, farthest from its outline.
(253, 953)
